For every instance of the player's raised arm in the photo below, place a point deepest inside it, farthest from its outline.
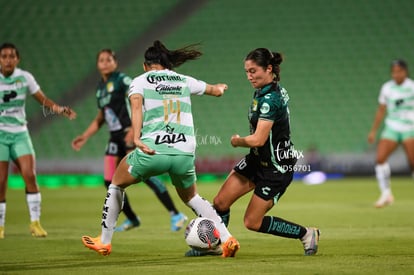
(50, 104)
(215, 90)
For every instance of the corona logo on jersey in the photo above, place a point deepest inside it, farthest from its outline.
(156, 78)
(170, 137)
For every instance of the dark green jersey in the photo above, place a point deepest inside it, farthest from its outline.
(113, 101)
(271, 103)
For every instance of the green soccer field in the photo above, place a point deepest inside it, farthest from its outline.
(356, 238)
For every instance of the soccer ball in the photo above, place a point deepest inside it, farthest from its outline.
(202, 234)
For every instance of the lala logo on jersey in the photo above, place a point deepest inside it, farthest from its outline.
(170, 137)
(110, 87)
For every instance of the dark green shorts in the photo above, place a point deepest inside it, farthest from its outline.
(15, 145)
(181, 168)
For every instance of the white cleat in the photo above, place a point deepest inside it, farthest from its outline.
(384, 200)
(311, 241)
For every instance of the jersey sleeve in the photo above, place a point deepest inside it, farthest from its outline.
(197, 87)
(125, 82)
(269, 109)
(382, 98)
(136, 87)
(31, 83)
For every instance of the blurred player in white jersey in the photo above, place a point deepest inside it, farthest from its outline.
(396, 104)
(15, 142)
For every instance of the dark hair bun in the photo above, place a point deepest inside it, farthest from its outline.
(277, 58)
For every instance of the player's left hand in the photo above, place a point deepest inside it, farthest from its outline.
(129, 138)
(233, 140)
(372, 136)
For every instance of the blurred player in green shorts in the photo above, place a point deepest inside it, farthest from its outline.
(113, 108)
(163, 128)
(15, 142)
(396, 104)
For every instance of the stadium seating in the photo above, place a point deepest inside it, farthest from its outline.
(337, 55)
(58, 41)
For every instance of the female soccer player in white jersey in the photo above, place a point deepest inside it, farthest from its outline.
(15, 142)
(111, 94)
(164, 135)
(396, 104)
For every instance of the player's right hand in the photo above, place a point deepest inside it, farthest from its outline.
(78, 142)
(144, 148)
(372, 136)
(67, 112)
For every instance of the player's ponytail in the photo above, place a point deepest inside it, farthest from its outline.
(159, 54)
(264, 57)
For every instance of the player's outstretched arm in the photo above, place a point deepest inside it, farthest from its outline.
(379, 116)
(136, 120)
(93, 127)
(257, 139)
(51, 105)
(215, 90)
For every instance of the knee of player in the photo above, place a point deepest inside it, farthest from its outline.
(220, 204)
(29, 177)
(252, 223)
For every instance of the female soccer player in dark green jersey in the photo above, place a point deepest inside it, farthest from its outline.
(268, 168)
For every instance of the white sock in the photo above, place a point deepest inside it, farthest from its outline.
(2, 213)
(33, 203)
(383, 173)
(204, 209)
(110, 212)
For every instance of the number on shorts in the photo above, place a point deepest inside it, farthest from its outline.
(242, 164)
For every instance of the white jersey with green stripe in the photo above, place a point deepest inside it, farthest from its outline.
(13, 91)
(168, 124)
(399, 100)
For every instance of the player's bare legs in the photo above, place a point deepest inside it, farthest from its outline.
(26, 165)
(234, 187)
(409, 150)
(27, 168)
(383, 172)
(255, 212)
(4, 170)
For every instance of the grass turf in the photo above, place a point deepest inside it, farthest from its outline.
(356, 238)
